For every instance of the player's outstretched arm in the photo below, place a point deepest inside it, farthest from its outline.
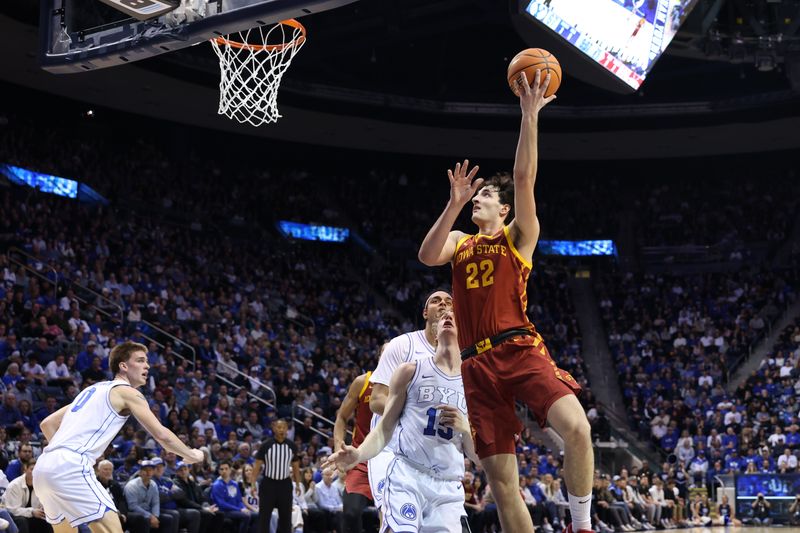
(136, 403)
(439, 244)
(50, 425)
(346, 410)
(525, 227)
(346, 457)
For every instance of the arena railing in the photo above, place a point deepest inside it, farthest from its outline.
(33, 270)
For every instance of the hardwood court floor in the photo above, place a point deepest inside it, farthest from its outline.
(738, 529)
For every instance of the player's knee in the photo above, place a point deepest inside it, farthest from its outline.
(504, 489)
(577, 429)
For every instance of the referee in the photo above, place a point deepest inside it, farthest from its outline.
(277, 459)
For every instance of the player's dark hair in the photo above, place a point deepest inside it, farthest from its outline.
(503, 183)
(224, 462)
(122, 352)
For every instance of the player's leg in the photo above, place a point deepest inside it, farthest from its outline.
(550, 393)
(108, 524)
(63, 527)
(402, 508)
(494, 422)
(502, 472)
(354, 505)
(567, 417)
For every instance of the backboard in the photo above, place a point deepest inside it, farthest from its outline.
(85, 35)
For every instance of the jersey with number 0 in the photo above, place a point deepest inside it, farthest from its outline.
(490, 280)
(405, 348)
(419, 437)
(90, 422)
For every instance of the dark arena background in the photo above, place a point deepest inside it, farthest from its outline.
(264, 267)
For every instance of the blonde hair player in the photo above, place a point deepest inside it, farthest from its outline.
(505, 359)
(79, 433)
(425, 420)
(404, 348)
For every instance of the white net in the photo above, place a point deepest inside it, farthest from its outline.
(251, 73)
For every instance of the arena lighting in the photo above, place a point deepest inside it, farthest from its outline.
(44, 182)
(313, 232)
(578, 248)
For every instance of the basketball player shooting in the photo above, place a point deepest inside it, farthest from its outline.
(426, 413)
(504, 358)
(80, 432)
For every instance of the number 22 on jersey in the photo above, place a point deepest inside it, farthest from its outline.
(480, 274)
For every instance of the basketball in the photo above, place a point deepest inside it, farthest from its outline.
(530, 61)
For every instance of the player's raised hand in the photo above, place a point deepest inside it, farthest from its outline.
(450, 416)
(462, 186)
(344, 459)
(532, 95)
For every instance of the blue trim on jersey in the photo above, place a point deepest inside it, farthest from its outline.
(410, 353)
(445, 376)
(108, 402)
(386, 489)
(100, 430)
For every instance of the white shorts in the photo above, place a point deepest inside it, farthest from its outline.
(66, 485)
(376, 471)
(416, 502)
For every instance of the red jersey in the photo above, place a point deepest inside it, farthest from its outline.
(490, 280)
(363, 413)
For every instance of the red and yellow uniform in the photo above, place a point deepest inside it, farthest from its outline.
(357, 480)
(490, 281)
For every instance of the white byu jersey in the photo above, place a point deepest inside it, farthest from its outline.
(405, 348)
(90, 423)
(419, 438)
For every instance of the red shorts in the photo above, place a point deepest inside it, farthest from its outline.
(511, 372)
(357, 481)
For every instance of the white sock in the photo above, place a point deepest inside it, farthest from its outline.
(580, 509)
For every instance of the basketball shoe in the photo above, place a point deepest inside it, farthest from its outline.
(569, 530)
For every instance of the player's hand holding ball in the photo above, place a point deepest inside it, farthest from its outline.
(534, 75)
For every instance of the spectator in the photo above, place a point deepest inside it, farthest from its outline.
(761, 511)
(225, 494)
(329, 499)
(10, 417)
(787, 462)
(142, 496)
(188, 519)
(15, 467)
(190, 497)
(22, 503)
(130, 521)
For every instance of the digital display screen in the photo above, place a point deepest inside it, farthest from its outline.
(577, 248)
(313, 232)
(44, 182)
(626, 37)
(772, 486)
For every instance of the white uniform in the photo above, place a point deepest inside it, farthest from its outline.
(423, 491)
(64, 475)
(404, 348)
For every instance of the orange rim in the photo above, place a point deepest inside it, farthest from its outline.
(268, 47)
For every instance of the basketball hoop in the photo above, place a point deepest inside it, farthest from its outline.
(252, 64)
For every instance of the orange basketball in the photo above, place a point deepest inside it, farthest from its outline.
(530, 61)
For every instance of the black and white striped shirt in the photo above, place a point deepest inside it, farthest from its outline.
(277, 458)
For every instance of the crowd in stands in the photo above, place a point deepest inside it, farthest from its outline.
(245, 317)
